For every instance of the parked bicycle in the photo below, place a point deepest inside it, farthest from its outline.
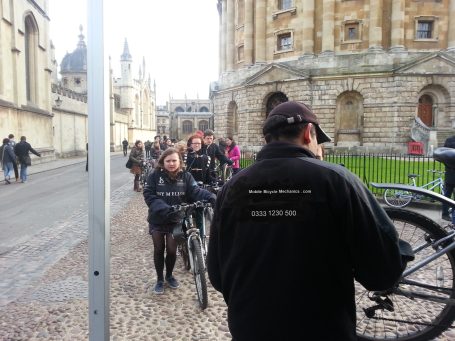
(193, 247)
(401, 198)
(422, 303)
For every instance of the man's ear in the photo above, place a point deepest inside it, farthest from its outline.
(306, 134)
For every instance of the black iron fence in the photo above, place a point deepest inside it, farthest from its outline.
(380, 168)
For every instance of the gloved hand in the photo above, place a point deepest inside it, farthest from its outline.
(230, 162)
(173, 217)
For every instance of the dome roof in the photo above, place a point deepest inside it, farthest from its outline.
(77, 60)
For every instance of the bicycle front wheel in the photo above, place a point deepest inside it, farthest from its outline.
(397, 198)
(199, 273)
(421, 307)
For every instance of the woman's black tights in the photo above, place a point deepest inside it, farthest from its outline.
(159, 244)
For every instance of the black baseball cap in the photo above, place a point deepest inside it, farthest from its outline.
(293, 113)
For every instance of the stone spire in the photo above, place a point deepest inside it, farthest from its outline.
(81, 43)
(126, 56)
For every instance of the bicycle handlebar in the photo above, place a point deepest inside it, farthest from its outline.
(185, 206)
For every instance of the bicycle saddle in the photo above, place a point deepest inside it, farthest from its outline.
(445, 155)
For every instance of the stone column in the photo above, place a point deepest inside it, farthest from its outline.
(230, 35)
(451, 33)
(375, 27)
(328, 26)
(308, 26)
(248, 32)
(222, 47)
(397, 41)
(260, 31)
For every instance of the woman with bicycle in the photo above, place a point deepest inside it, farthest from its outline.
(169, 185)
(137, 158)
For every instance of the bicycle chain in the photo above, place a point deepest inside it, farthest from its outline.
(410, 322)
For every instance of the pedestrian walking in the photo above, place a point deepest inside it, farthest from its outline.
(211, 149)
(125, 146)
(12, 143)
(137, 158)
(22, 150)
(8, 158)
(169, 185)
(449, 181)
(290, 212)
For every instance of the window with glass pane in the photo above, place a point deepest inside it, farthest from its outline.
(187, 127)
(284, 42)
(424, 29)
(284, 4)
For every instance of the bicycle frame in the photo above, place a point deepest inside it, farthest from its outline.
(435, 196)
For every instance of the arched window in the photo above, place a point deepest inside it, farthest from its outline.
(232, 119)
(188, 109)
(179, 109)
(204, 109)
(203, 125)
(275, 99)
(187, 127)
(31, 57)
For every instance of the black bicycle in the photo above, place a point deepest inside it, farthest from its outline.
(421, 305)
(192, 246)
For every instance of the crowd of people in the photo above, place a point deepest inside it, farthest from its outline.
(13, 155)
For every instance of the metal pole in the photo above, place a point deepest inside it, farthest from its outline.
(99, 174)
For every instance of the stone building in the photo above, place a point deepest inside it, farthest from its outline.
(374, 71)
(25, 73)
(186, 116)
(162, 121)
(132, 109)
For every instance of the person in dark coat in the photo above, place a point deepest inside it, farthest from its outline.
(12, 143)
(137, 158)
(449, 181)
(290, 212)
(169, 185)
(211, 149)
(125, 146)
(22, 150)
(7, 159)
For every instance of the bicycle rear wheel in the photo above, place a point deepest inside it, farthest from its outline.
(413, 318)
(397, 198)
(199, 273)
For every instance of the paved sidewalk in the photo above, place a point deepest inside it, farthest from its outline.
(58, 163)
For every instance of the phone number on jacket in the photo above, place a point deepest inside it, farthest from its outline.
(273, 213)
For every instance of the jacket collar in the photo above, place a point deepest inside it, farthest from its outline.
(278, 149)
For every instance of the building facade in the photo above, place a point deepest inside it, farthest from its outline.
(374, 71)
(25, 73)
(186, 116)
(162, 121)
(52, 111)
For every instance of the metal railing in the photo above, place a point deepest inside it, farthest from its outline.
(380, 168)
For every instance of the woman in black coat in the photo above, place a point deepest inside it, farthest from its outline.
(169, 185)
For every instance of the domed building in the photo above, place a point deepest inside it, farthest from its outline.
(73, 67)
(378, 73)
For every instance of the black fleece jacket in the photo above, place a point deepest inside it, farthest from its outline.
(292, 232)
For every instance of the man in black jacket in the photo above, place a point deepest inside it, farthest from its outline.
(449, 181)
(22, 150)
(290, 212)
(212, 150)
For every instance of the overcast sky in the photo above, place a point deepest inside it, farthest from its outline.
(178, 39)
